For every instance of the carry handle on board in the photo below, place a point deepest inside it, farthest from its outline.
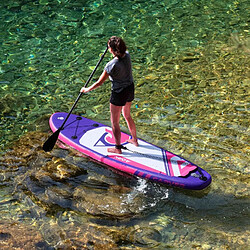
(51, 141)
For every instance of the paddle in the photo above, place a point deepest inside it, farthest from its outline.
(51, 141)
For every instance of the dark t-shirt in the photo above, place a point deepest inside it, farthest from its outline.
(120, 72)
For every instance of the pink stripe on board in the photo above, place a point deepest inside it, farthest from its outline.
(120, 166)
(133, 163)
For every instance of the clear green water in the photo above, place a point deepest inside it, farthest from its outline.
(191, 69)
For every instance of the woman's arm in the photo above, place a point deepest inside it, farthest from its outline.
(95, 85)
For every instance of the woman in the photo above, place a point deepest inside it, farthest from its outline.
(119, 71)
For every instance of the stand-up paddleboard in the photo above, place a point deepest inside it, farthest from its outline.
(146, 161)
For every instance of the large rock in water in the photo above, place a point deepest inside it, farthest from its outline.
(64, 179)
(47, 185)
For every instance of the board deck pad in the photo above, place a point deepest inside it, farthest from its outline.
(146, 161)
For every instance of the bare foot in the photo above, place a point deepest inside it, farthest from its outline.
(114, 150)
(135, 142)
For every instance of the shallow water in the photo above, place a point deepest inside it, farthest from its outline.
(190, 65)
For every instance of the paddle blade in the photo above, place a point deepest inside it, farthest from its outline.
(51, 141)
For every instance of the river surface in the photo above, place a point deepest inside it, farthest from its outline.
(191, 70)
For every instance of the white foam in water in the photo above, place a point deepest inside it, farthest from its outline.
(149, 195)
(139, 189)
(136, 191)
(142, 185)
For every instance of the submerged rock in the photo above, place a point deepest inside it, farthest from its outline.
(48, 183)
(15, 235)
(110, 202)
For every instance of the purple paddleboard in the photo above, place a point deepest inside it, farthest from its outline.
(146, 161)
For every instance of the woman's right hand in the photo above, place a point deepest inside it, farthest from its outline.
(84, 90)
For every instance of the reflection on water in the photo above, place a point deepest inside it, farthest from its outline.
(190, 64)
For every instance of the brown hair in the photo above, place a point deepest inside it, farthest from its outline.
(117, 45)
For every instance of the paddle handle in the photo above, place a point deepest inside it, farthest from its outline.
(86, 84)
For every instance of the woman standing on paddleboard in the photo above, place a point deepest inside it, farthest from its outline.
(119, 71)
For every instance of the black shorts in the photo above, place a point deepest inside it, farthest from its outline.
(126, 95)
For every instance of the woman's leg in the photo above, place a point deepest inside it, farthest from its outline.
(130, 122)
(115, 112)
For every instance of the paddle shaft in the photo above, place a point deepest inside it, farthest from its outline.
(86, 84)
(50, 143)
